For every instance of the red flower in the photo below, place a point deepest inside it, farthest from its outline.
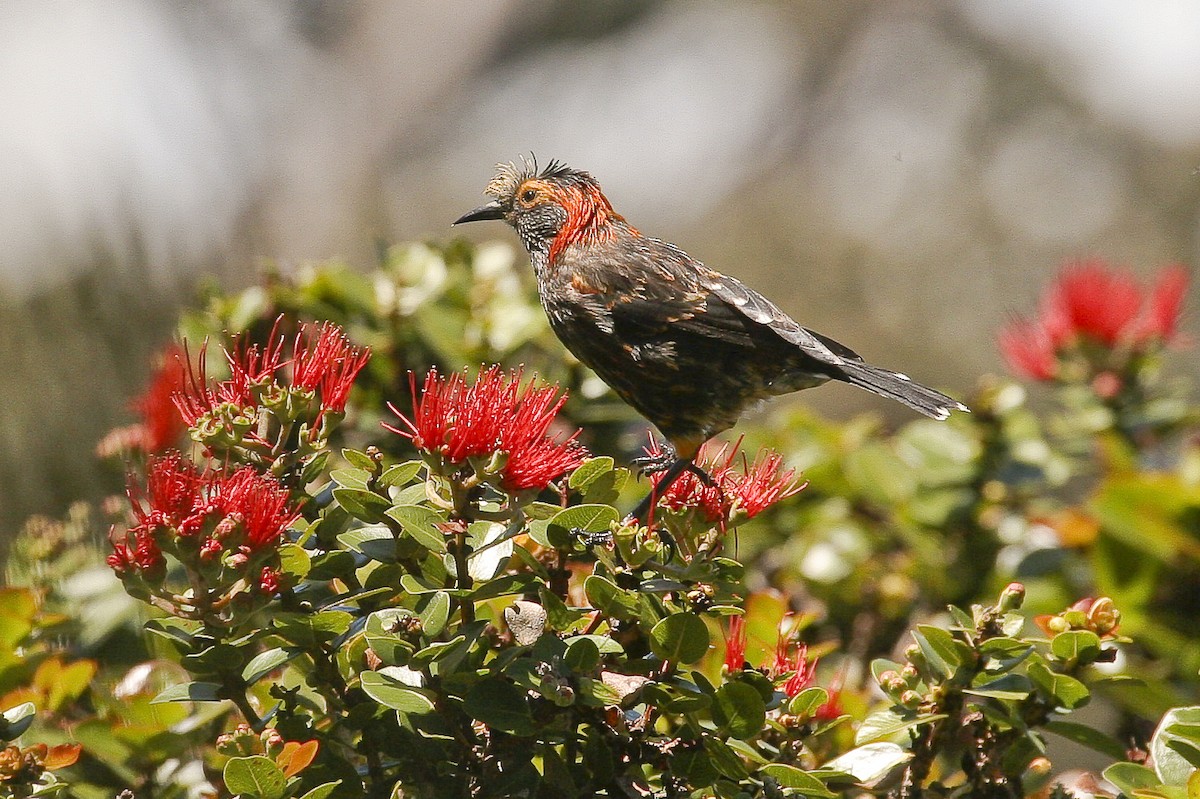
(735, 644)
(1029, 350)
(244, 511)
(494, 414)
(1166, 302)
(197, 397)
(138, 553)
(1093, 301)
(323, 361)
(255, 502)
(792, 659)
(172, 482)
(752, 488)
(161, 426)
(326, 362)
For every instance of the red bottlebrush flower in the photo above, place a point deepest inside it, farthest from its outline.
(172, 485)
(832, 708)
(1090, 300)
(138, 552)
(535, 458)
(257, 502)
(161, 426)
(792, 658)
(250, 365)
(765, 483)
(804, 672)
(1029, 350)
(494, 414)
(1166, 302)
(197, 397)
(735, 644)
(1095, 301)
(326, 362)
(752, 488)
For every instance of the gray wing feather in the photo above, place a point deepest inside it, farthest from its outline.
(759, 309)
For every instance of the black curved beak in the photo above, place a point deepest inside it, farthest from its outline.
(491, 210)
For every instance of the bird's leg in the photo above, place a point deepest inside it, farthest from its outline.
(664, 461)
(670, 474)
(654, 464)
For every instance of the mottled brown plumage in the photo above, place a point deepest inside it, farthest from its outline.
(686, 346)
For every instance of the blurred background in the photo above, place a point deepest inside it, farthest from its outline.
(902, 176)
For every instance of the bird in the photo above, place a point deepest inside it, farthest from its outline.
(689, 348)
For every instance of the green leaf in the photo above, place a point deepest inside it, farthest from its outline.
(322, 791)
(189, 692)
(392, 693)
(943, 653)
(255, 776)
(1088, 736)
(400, 474)
(1078, 646)
(1179, 726)
(582, 654)
(500, 705)
(609, 599)
(351, 478)
(724, 759)
(589, 518)
(588, 471)
(422, 524)
(266, 662)
(362, 504)
(294, 560)
(740, 710)
(435, 614)
(792, 777)
(308, 629)
(1067, 691)
(375, 541)
(807, 702)
(870, 762)
(16, 720)
(680, 638)
(887, 723)
(359, 459)
(1129, 777)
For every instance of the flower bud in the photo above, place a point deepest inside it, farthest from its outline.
(1103, 618)
(911, 699)
(1011, 597)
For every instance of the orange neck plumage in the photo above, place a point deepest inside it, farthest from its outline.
(590, 219)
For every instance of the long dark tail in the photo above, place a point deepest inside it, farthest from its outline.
(899, 387)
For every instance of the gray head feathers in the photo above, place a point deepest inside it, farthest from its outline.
(510, 176)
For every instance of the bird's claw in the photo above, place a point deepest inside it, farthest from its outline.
(647, 465)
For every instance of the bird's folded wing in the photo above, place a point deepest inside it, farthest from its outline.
(762, 311)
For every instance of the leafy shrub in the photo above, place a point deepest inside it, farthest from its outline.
(378, 574)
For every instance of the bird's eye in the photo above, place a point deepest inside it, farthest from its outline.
(528, 195)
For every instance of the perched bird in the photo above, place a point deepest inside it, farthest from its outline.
(686, 346)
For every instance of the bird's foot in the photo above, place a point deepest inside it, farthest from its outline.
(667, 460)
(657, 463)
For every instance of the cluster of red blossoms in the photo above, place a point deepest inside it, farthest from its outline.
(791, 660)
(206, 519)
(323, 363)
(160, 427)
(752, 488)
(1093, 302)
(463, 422)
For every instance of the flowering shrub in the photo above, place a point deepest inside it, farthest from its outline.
(373, 573)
